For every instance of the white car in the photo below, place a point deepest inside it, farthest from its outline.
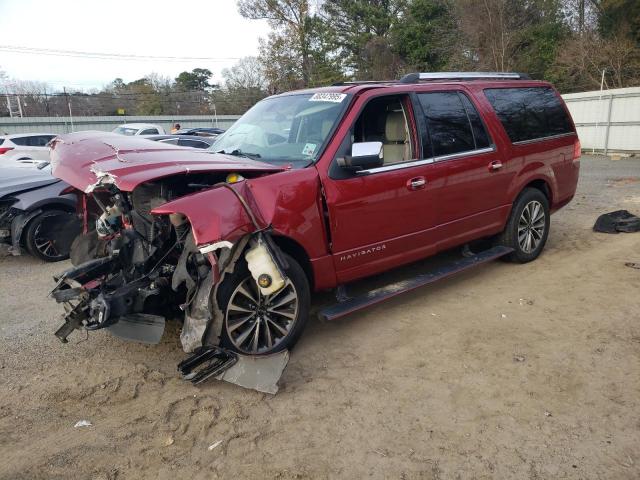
(25, 147)
(139, 129)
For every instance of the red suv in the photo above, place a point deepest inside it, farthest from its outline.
(308, 191)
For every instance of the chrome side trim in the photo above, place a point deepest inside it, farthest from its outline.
(395, 166)
(479, 151)
(426, 161)
(541, 139)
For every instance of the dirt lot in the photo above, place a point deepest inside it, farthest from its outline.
(508, 371)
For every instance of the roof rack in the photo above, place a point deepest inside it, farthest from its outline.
(362, 82)
(416, 77)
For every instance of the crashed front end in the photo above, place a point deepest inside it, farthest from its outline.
(160, 235)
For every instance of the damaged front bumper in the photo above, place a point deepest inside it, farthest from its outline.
(12, 223)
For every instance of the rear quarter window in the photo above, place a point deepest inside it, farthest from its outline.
(529, 113)
(22, 141)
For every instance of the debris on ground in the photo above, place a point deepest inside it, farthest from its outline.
(632, 265)
(214, 445)
(519, 358)
(616, 222)
(82, 423)
(525, 301)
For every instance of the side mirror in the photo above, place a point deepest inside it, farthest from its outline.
(364, 155)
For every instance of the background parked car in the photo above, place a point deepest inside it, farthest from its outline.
(35, 213)
(25, 147)
(201, 131)
(183, 140)
(131, 129)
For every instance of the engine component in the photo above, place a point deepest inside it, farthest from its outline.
(109, 222)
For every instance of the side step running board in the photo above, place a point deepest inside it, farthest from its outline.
(378, 295)
(206, 362)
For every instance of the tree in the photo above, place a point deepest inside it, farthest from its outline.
(195, 80)
(583, 58)
(619, 18)
(427, 36)
(291, 21)
(244, 85)
(360, 34)
(508, 35)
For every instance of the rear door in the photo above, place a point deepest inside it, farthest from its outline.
(472, 175)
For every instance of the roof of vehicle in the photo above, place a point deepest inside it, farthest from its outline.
(139, 125)
(156, 138)
(485, 79)
(187, 131)
(19, 135)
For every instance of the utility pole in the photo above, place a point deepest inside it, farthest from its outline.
(64, 89)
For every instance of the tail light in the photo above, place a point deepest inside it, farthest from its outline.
(4, 150)
(577, 150)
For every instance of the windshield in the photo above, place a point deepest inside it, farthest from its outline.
(289, 129)
(125, 131)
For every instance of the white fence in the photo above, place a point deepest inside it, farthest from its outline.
(607, 121)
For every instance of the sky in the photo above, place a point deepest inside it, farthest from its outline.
(210, 29)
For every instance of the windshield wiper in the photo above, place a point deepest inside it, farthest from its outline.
(239, 153)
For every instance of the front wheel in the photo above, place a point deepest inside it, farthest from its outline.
(528, 226)
(50, 234)
(255, 324)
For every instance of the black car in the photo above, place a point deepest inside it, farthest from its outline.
(36, 213)
(183, 140)
(201, 131)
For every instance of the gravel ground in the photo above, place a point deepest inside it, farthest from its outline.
(508, 371)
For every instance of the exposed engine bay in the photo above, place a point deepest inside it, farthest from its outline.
(134, 270)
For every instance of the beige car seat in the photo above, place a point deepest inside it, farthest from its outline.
(396, 147)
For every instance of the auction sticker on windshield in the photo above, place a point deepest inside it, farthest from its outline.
(309, 149)
(328, 97)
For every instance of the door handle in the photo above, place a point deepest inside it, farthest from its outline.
(495, 165)
(416, 183)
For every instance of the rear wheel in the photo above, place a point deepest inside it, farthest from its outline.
(50, 234)
(255, 324)
(528, 226)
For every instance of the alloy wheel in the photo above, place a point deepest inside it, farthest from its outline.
(45, 245)
(257, 323)
(531, 226)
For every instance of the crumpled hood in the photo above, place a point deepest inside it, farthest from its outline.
(19, 178)
(87, 160)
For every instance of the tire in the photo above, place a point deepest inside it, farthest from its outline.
(49, 235)
(527, 238)
(284, 323)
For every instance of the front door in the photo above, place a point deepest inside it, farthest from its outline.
(382, 217)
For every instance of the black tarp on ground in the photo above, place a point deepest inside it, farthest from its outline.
(618, 221)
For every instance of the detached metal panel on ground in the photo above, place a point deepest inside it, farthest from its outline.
(607, 121)
(66, 125)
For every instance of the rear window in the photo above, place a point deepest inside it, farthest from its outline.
(453, 123)
(1, 141)
(33, 140)
(529, 113)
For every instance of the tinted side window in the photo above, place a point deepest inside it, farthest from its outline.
(529, 113)
(40, 141)
(149, 131)
(192, 143)
(453, 123)
(480, 135)
(22, 141)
